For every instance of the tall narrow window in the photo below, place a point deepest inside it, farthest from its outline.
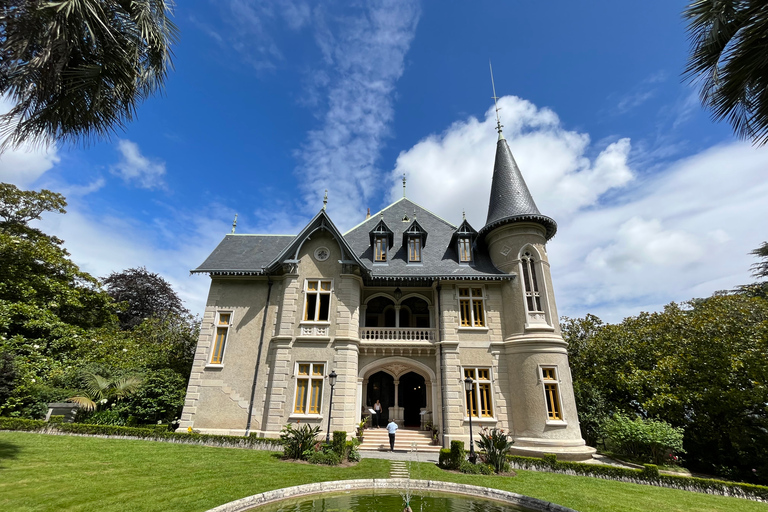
(532, 295)
(551, 393)
(481, 393)
(220, 341)
(472, 306)
(380, 249)
(309, 388)
(318, 300)
(414, 249)
(465, 250)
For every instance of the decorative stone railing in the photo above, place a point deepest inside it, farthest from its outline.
(396, 334)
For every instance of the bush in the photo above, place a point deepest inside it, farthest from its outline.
(297, 441)
(476, 469)
(21, 424)
(647, 440)
(339, 442)
(444, 461)
(458, 454)
(643, 476)
(496, 445)
(550, 459)
(350, 448)
(329, 458)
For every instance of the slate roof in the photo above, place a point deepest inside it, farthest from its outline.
(244, 254)
(439, 258)
(511, 201)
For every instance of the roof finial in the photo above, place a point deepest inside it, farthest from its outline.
(463, 215)
(234, 224)
(414, 214)
(325, 199)
(496, 103)
(403, 185)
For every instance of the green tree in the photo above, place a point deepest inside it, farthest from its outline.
(78, 69)
(699, 366)
(760, 269)
(728, 48)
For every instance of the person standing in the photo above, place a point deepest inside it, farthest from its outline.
(392, 428)
(377, 408)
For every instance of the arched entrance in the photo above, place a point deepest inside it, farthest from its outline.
(381, 387)
(407, 386)
(413, 396)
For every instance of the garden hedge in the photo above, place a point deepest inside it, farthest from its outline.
(649, 475)
(155, 434)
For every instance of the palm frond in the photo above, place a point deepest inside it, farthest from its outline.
(84, 402)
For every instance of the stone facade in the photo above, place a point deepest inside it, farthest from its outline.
(405, 327)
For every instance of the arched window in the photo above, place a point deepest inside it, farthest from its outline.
(531, 283)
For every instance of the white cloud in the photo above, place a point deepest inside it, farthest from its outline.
(624, 244)
(364, 57)
(135, 168)
(22, 166)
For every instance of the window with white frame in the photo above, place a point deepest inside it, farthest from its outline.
(309, 388)
(472, 306)
(317, 300)
(223, 323)
(479, 403)
(551, 386)
(531, 283)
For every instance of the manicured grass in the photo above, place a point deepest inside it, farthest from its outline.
(44, 472)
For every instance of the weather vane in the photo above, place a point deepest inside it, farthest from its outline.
(234, 224)
(496, 103)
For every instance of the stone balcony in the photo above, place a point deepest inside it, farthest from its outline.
(398, 334)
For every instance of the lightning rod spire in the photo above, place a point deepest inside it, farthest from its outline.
(496, 103)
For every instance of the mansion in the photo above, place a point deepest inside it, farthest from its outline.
(404, 307)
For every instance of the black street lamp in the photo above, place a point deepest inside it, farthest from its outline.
(332, 382)
(469, 385)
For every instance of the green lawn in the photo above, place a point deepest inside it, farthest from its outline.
(44, 472)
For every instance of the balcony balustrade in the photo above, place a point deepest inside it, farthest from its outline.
(397, 334)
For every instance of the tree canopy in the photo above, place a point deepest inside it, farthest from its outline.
(77, 70)
(729, 41)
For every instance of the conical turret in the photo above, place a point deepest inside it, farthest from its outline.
(510, 200)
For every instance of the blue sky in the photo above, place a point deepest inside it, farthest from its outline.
(273, 102)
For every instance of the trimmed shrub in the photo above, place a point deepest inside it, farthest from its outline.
(651, 470)
(56, 419)
(21, 424)
(339, 442)
(644, 476)
(444, 461)
(329, 458)
(458, 454)
(298, 441)
(550, 459)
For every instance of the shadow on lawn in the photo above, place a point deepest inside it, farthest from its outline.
(8, 451)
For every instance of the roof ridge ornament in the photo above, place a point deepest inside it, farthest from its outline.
(499, 126)
(403, 185)
(234, 224)
(325, 199)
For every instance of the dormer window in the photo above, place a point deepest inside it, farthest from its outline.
(380, 249)
(414, 249)
(382, 239)
(462, 241)
(414, 238)
(465, 250)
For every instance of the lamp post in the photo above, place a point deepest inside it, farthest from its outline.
(332, 382)
(469, 385)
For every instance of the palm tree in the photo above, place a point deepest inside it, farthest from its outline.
(729, 42)
(101, 390)
(77, 69)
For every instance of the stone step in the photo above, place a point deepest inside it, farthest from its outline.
(378, 440)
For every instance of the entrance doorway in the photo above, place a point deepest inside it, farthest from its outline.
(412, 396)
(381, 387)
